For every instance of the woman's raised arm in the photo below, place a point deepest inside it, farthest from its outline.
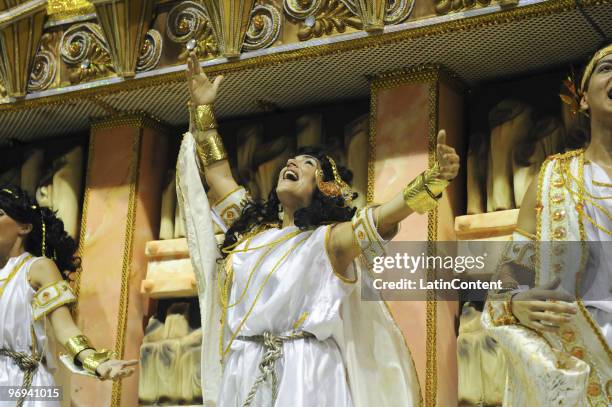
(420, 195)
(202, 124)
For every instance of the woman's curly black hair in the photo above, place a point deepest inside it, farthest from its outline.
(323, 209)
(59, 246)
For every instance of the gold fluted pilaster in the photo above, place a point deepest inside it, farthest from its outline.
(61, 9)
(230, 20)
(21, 26)
(125, 24)
(372, 13)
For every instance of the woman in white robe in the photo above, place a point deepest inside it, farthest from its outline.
(32, 292)
(282, 315)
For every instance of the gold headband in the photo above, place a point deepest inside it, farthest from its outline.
(599, 55)
(337, 187)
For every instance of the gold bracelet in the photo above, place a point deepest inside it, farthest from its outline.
(205, 118)
(422, 194)
(94, 360)
(210, 148)
(76, 345)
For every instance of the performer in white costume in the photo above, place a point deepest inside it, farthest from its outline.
(557, 344)
(33, 248)
(283, 320)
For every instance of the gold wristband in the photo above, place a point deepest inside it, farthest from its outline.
(210, 148)
(205, 118)
(422, 194)
(76, 345)
(94, 360)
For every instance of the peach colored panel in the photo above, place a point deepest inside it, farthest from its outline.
(402, 130)
(108, 186)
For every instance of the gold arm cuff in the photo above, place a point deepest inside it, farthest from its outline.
(94, 360)
(422, 194)
(76, 345)
(205, 118)
(210, 148)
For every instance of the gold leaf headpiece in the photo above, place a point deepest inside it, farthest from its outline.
(337, 187)
(599, 55)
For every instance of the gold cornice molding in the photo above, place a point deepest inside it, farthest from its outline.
(494, 19)
(10, 15)
(21, 27)
(131, 119)
(230, 19)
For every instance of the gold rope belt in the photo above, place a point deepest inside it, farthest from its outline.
(273, 350)
(28, 366)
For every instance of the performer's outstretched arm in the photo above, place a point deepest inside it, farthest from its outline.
(212, 155)
(44, 273)
(420, 196)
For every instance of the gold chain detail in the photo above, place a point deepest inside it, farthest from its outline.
(431, 375)
(14, 271)
(259, 291)
(83, 230)
(257, 231)
(581, 195)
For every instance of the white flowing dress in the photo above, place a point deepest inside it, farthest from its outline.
(359, 357)
(293, 288)
(16, 332)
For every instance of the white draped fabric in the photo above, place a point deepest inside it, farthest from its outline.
(597, 282)
(573, 367)
(16, 333)
(359, 356)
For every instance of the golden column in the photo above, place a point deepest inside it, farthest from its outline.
(372, 13)
(21, 26)
(230, 20)
(61, 9)
(125, 24)
(121, 212)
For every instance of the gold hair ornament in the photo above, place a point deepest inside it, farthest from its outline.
(336, 188)
(574, 93)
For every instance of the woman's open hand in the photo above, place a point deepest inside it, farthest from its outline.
(544, 308)
(448, 160)
(201, 89)
(115, 369)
